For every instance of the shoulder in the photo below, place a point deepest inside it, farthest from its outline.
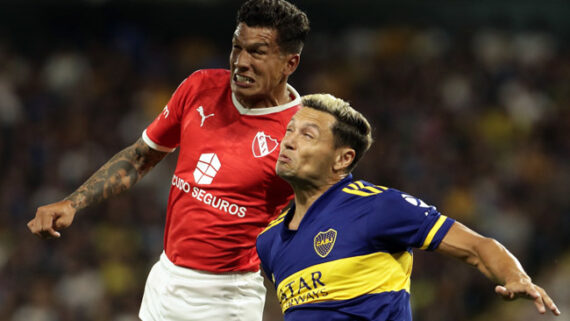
(271, 227)
(379, 197)
(363, 188)
(363, 193)
(397, 202)
(211, 74)
(204, 79)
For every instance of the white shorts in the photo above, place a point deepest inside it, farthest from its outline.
(176, 293)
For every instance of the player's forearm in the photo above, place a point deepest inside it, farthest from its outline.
(497, 263)
(120, 173)
(486, 254)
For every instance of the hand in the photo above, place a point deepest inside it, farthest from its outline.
(52, 217)
(526, 289)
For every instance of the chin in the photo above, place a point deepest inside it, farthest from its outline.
(245, 96)
(283, 174)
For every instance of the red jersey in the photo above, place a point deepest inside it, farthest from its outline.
(224, 190)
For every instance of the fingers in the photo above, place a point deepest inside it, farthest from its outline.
(47, 220)
(50, 233)
(539, 305)
(540, 298)
(504, 292)
(38, 229)
(548, 302)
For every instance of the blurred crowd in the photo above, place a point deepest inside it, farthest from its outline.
(474, 122)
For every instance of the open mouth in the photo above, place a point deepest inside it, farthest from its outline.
(243, 79)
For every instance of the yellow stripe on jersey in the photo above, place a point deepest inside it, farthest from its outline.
(433, 231)
(358, 188)
(276, 221)
(347, 278)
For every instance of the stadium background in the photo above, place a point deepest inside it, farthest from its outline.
(470, 104)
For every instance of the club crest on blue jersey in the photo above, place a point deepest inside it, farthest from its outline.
(324, 242)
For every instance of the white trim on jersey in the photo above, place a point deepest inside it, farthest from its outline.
(269, 110)
(154, 145)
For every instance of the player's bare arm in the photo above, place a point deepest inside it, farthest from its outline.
(120, 173)
(497, 264)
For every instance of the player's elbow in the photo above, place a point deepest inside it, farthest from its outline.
(482, 250)
(472, 253)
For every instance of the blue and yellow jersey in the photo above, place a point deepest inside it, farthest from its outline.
(351, 258)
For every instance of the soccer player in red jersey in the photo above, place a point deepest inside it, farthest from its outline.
(228, 125)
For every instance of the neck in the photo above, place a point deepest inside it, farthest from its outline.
(279, 96)
(306, 193)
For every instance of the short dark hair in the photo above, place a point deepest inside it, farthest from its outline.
(351, 128)
(292, 24)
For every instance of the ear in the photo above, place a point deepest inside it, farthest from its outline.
(291, 64)
(344, 157)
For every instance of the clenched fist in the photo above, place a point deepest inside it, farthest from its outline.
(51, 218)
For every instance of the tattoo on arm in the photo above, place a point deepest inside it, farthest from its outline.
(120, 173)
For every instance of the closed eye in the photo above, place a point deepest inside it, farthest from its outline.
(308, 135)
(258, 52)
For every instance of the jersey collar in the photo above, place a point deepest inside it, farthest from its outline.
(286, 232)
(269, 110)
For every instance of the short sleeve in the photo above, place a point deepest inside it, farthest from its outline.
(163, 133)
(402, 220)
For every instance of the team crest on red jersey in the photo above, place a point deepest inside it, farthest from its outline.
(263, 145)
(324, 242)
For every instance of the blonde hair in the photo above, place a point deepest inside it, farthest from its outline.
(351, 128)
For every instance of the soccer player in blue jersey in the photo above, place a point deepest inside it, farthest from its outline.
(343, 251)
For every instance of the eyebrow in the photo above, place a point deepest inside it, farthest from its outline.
(259, 44)
(311, 125)
(252, 45)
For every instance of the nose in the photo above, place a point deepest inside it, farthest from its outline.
(242, 60)
(288, 141)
